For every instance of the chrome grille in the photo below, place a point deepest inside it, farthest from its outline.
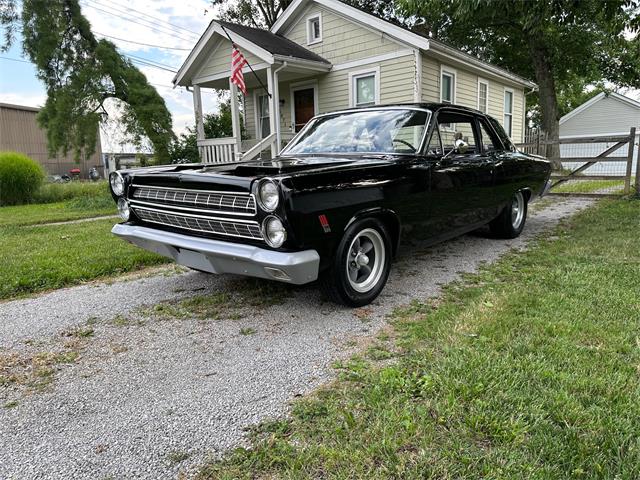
(213, 201)
(220, 226)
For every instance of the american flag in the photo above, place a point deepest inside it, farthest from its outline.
(237, 62)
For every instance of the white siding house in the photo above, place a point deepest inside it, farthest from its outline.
(324, 55)
(606, 114)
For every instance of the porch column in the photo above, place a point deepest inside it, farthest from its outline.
(273, 109)
(235, 119)
(197, 110)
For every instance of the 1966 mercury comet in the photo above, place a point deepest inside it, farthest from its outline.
(336, 202)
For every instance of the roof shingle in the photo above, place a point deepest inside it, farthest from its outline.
(273, 43)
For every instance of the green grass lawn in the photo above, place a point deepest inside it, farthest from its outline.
(590, 186)
(35, 214)
(36, 258)
(61, 202)
(528, 369)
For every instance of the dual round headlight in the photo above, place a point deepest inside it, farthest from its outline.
(117, 183)
(273, 231)
(268, 195)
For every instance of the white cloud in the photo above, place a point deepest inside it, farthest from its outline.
(27, 99)
(117, 18)
(189, 15)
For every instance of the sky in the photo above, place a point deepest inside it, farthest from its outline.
(162, 23)
(171, 26)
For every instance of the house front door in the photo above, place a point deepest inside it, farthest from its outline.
(303, 107)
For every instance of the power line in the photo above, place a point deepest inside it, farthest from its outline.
(150, 61)
(147, 15)
(15, 60)
(144, 62)
(157, 28)
(150, 27)
(140, 43)
(148, 64)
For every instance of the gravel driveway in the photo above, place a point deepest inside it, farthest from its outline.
(146, 395)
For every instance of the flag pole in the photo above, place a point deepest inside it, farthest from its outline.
(247, 62)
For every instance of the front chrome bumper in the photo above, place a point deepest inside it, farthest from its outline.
(216, 256)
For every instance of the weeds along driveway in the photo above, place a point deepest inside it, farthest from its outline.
(149, 377)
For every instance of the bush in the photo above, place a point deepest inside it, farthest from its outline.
(60, 192)
(20, 178)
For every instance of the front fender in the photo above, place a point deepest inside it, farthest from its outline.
(390, 218)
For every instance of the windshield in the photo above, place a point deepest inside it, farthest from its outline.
(367, 131)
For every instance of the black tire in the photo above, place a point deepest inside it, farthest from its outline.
(347, 282)
(510, 222)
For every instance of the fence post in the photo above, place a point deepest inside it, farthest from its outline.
(638, 173)
(627, 179)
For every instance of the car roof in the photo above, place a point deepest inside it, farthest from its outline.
(433, 106)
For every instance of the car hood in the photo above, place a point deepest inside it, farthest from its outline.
(294, 165)
(242, 173)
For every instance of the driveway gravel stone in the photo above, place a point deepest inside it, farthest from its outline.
(154, 397)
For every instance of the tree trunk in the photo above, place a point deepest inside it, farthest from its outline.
(548, 99)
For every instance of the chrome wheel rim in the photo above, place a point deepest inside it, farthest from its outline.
(517, 210)
(365, 260)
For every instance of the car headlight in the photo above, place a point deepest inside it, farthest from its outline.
(117, 183)
(268, 195)
(273, 231)
(123, 209)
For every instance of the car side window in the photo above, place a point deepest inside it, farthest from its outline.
(488, 139)
(454, 126)
(435, 144)
(504, 138)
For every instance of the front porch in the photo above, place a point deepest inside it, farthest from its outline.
(282, 90)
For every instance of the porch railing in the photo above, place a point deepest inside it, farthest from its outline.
(259, 147)
(224, 150)
(217, 150)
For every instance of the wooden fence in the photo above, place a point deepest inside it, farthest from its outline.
(603, 166)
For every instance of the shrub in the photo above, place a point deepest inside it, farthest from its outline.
(83, 191)
(20, 178)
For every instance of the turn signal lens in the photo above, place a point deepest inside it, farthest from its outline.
(273, 231)
(123, 209)
(268, 195)
(117, 183)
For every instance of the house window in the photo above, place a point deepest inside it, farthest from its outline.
(314, 29)
(447, 87)
(483, 96)
(508, 112)
(264, 126)
(365, 88)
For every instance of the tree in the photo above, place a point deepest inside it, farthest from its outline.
(254, 13)
(80, 74)
(185, 148)
(554, 42)
(264, 13)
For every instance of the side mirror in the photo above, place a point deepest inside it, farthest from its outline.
(461, 146)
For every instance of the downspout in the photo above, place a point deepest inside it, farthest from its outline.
(276, 82)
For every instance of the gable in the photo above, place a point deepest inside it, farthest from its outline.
(219, 61)
(343, 39)
(608, 115)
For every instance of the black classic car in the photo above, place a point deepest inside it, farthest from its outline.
(336, 202)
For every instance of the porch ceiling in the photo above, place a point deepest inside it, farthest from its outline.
(288, 74)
